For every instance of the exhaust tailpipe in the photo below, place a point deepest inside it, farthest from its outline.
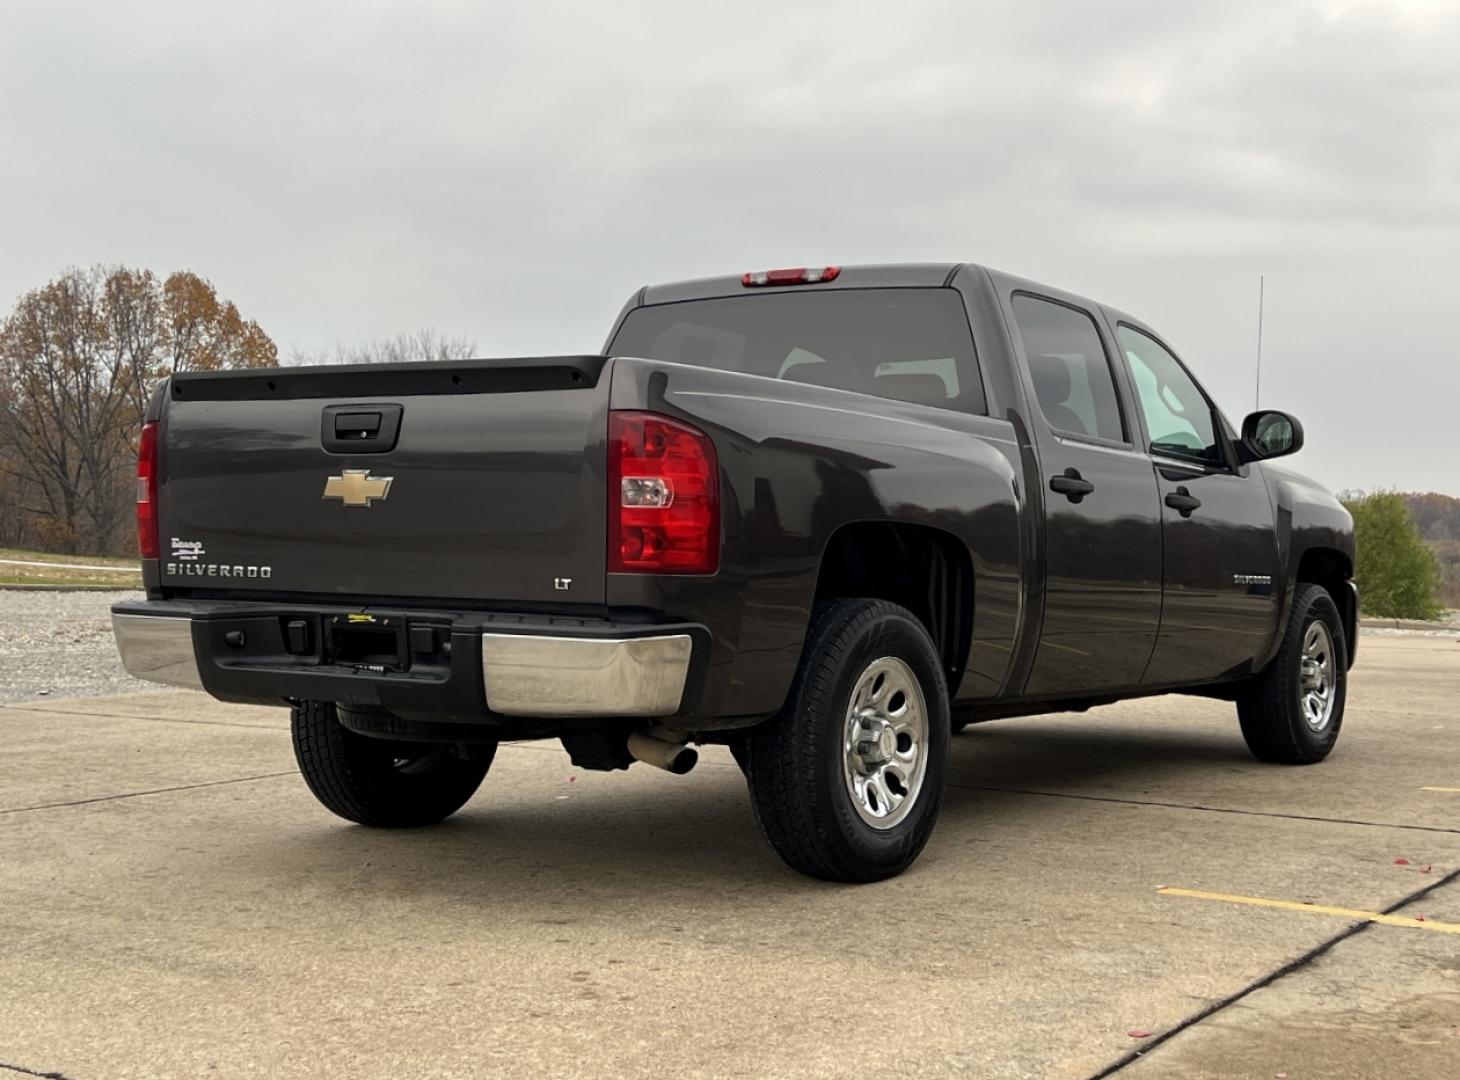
(662, 754)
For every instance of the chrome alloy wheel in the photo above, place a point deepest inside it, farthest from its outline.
(1317, 677)
(885, 747)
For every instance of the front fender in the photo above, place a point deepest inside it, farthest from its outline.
(1308, 518)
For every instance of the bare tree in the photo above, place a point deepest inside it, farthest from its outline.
(53, 357)
(78, 359)
(424, 344)
(137, 330)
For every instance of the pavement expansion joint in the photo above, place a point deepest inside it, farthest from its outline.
(43, 707)
(152, 791)
(23, 1071)
(1208, 809)
(1296, 964)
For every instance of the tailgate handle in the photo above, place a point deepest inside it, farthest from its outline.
(360, 429)
(357, 425)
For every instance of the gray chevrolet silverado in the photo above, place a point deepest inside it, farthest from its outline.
(825, 516)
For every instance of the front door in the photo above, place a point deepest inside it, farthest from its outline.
(1102, 557)
(1217, 525)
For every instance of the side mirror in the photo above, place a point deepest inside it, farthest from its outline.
(1270, 434)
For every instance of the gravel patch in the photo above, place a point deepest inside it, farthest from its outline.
(59, 644)
(1385, 631)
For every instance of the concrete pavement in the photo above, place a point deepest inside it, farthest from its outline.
(174, 904)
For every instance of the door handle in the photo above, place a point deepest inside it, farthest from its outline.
(357, 425)
(1071, 485)
(1183, 501)
(360, 429)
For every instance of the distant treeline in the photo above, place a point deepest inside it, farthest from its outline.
(1438, 519)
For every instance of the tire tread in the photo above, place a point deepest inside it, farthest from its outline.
(323, 748)
(786, 783)
(1268, 711)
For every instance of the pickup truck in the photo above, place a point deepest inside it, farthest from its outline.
(825, 516)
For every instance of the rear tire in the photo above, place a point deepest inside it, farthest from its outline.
(382, 782)
(740, 751)
(1291, 713)
(847, 779)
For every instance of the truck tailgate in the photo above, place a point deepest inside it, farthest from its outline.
(491, 488)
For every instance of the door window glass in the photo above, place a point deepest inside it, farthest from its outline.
(1178, 415)
(1071, 372)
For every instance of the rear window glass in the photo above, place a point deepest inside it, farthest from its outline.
(905, 344)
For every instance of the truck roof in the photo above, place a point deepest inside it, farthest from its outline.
(868, 276)
(874, 276)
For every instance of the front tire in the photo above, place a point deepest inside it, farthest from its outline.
(847, 779)
(1291, 713)
(384, 783)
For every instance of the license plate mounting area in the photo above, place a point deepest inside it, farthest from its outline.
(368, 642)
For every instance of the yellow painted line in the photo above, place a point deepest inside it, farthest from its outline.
(1451, 790)
(1315, 909)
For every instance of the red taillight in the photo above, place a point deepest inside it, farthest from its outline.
(147, 540)
(800, 275)
(663, 497)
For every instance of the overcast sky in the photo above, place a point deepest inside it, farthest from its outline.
(510, 173)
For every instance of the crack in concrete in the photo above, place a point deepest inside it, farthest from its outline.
(153, 791)
(1296, 964)
(31, 1072)
(1205, 809)
(40, 708)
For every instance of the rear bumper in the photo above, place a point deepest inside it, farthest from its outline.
(541, 675)
(478, 667)
(157, 648)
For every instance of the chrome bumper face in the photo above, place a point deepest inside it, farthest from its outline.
(570, 677)
(522, 674)
(158, 648)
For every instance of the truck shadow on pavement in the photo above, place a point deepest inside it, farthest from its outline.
(606, 841)
(1034, 754)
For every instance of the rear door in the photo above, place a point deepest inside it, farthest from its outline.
(474, 481)
(1102, 557)
(1220, 606)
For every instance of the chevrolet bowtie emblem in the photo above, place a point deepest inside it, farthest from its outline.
(356, 487)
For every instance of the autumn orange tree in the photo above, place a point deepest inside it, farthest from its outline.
(79, 358)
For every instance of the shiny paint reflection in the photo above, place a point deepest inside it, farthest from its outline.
(797, 463)
(1213, 626)
(496, 495)
(1102, 600)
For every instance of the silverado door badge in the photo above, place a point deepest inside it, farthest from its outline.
(356, 487)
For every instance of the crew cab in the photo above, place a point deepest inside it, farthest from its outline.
(826, 516)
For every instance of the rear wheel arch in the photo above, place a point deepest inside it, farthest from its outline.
(919, 567)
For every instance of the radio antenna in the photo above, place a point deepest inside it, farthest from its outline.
(1257, 394)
